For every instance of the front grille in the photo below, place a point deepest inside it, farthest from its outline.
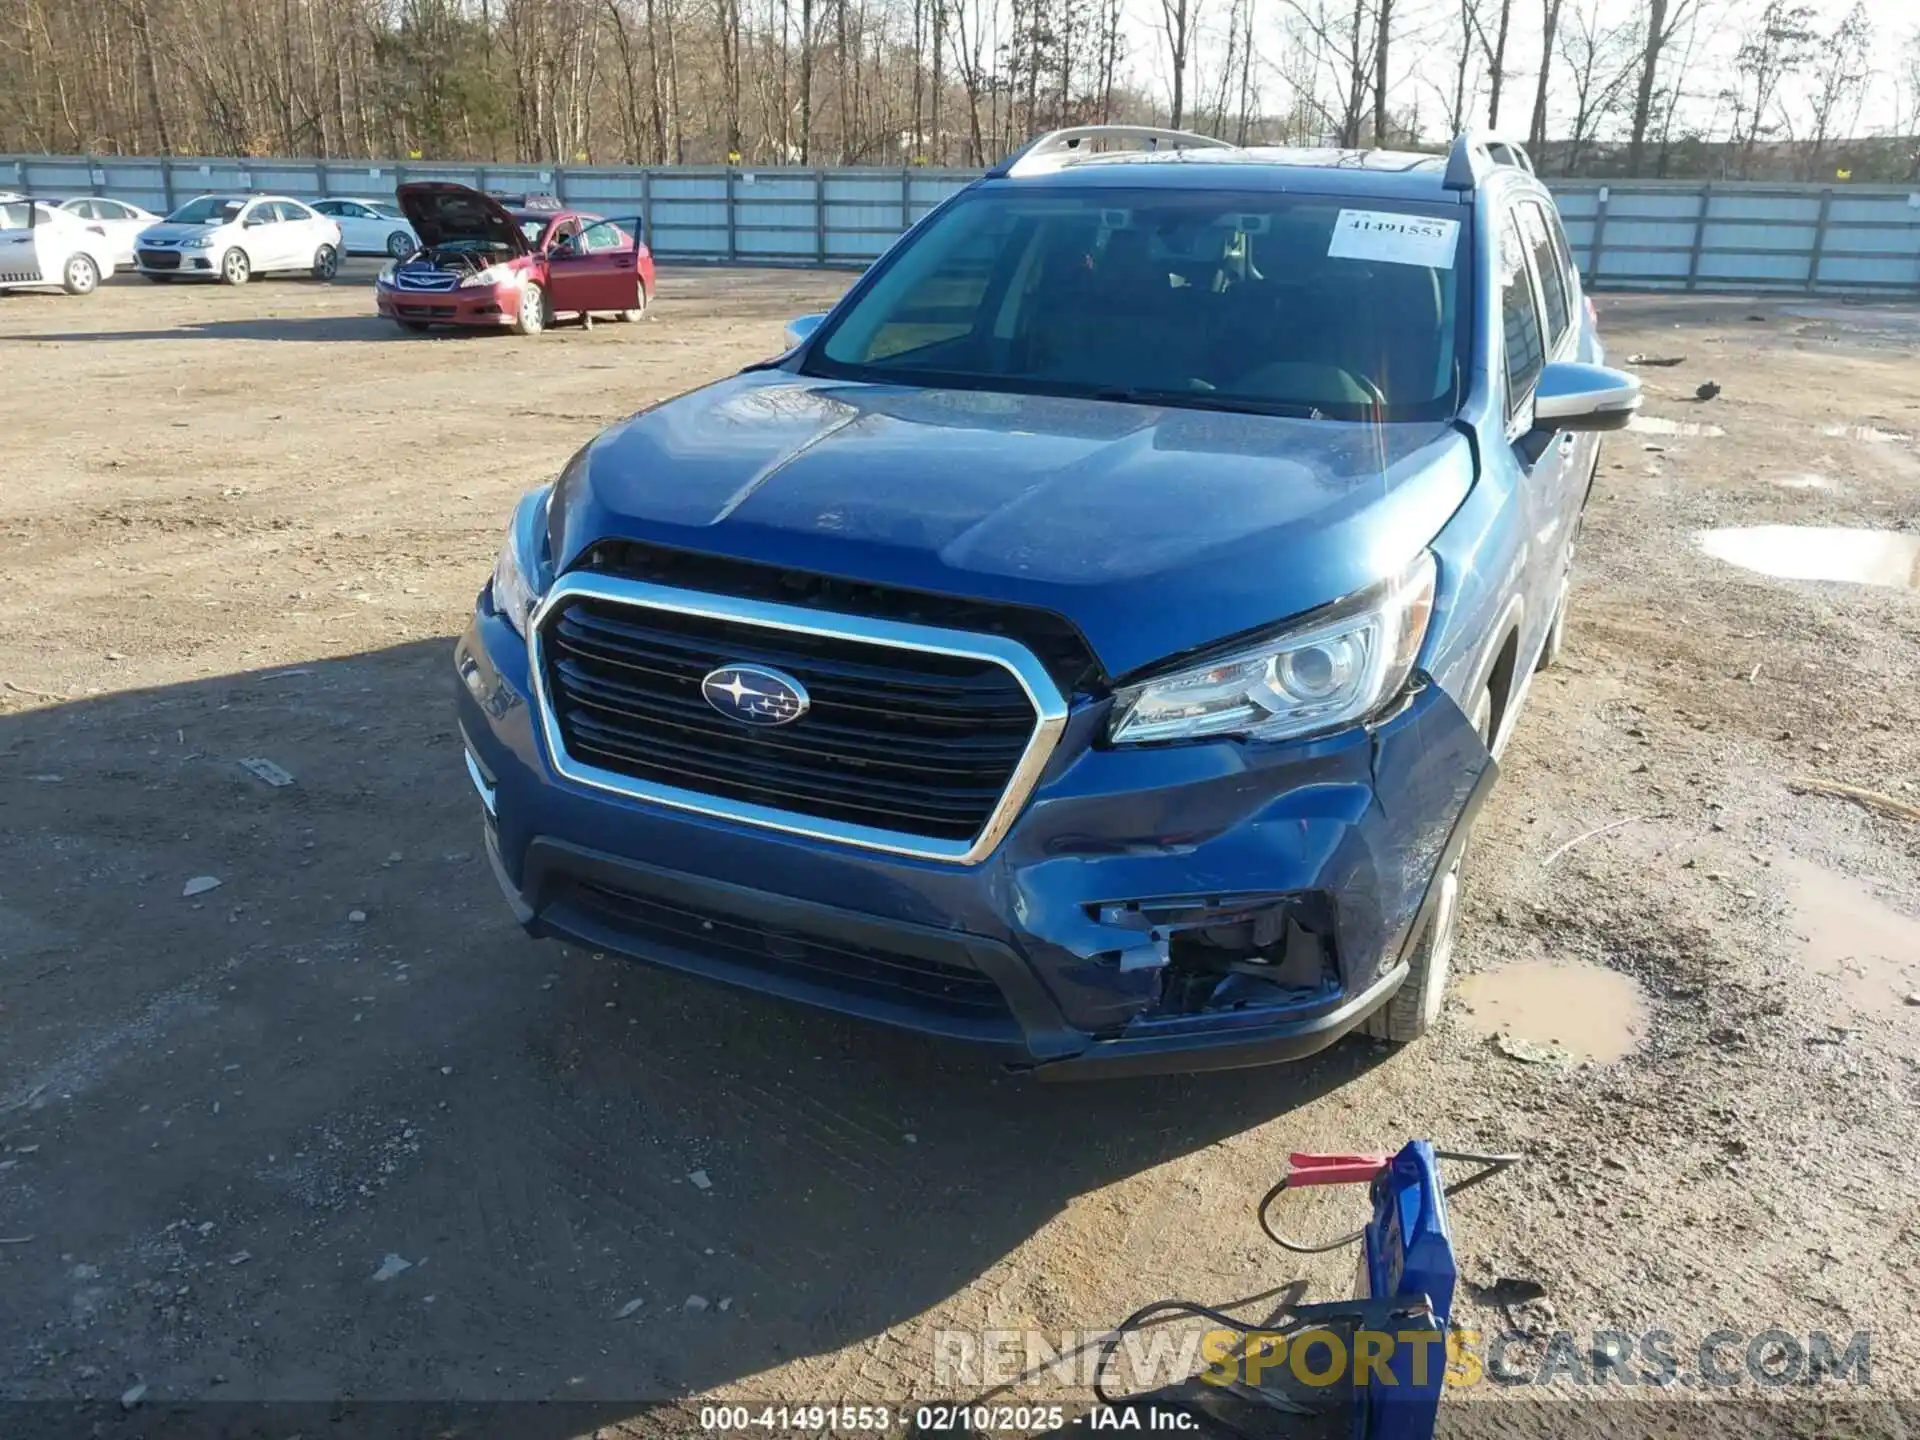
(425, 311)
(898, 740)
(425, 278)
(160, 259)
(1068, 659)
(920, 982)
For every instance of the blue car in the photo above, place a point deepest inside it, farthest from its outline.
(1094, 637)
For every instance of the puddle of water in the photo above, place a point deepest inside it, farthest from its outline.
(1811, 552)
(1588, 1011)
(1847, 935)
(1866, 434)
(1655, 425)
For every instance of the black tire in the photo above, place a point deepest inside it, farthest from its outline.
(326, 263)
(533, 315)
(235, 267)
(82, 275)
(1416, 1004)
(399, 245)
(629, 316)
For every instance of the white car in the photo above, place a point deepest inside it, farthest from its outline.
(235, 237)
(370, 227)
(119, 221)
(41, 246)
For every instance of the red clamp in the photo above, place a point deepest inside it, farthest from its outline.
(1307, 1169)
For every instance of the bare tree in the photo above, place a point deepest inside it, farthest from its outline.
(1600, 60)
(1772, 52)
(1178, 19)
(1549, 27)
(1841, 67)
(1661, 21)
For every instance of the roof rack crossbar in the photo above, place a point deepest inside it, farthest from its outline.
(1062, 147)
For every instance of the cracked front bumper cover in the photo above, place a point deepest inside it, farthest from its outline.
(1011, 952)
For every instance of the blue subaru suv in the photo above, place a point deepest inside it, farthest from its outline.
(1094, 636)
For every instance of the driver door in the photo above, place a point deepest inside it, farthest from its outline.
(598, 268)
(264, 237)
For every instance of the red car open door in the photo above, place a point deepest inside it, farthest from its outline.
(598, 268)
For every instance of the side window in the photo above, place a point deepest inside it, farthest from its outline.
(13, 216)
(293, 210)
(110, 210)
(332, 207)
(260, 213)
(1519, 318)
(88, 210)
(601, 235)
(1553, 280)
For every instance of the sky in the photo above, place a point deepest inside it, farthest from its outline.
(1423, 70)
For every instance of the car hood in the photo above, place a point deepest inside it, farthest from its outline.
(442, 212)
(1155, 530)
(174, 234)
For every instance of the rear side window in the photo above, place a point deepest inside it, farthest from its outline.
(1519, 317)
(1553, 280)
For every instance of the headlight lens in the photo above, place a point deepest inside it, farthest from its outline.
(385, 277)
(524, 570)
(1334, 670)
(492, 275)
(197, 242)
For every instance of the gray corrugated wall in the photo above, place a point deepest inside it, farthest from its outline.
(1683, 235)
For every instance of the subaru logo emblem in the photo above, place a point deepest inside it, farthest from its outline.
(755, 695)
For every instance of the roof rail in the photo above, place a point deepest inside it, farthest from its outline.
(1474, 153)
(1059, 148)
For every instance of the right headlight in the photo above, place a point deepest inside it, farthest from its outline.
(524, 569)
(1336, 668)
(385, 277)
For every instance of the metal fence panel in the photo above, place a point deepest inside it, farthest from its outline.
(1660, 234)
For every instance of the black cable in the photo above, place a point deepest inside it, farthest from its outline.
(1491, 1165)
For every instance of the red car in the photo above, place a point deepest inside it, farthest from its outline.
(484, 263)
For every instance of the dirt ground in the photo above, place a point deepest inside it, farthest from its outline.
(245, 524)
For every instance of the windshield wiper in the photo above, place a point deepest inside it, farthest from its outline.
(1202, 400)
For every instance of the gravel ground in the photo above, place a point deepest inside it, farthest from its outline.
(335, 1130)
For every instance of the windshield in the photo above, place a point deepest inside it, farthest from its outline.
(208, 210)
(1255, 301)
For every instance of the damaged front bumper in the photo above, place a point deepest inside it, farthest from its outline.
(1181, 907)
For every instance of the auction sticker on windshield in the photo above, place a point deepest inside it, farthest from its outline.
(1398, 239)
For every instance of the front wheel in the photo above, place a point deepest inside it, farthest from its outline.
(532, 318)
(1416, 1004)
(326, 263)
(235, 267)
(81, 277)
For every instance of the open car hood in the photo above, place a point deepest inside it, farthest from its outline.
(442, 212)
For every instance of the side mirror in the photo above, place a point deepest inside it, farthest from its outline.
(800, 329)
(1574, 396)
